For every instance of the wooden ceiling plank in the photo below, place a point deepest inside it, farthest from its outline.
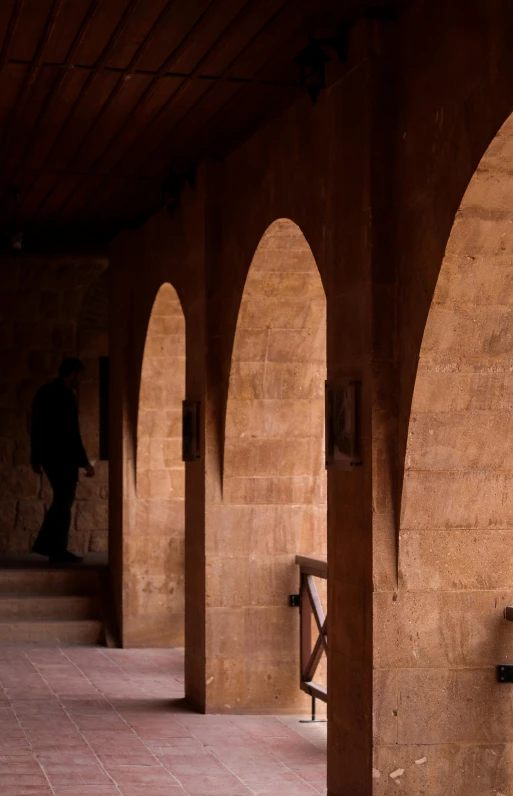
(48, 127)
(60, 156)
(83, 191)
(284, 26)
(55, 95)
(152, 88)
(212, 103)
(11, 30)
(54, 200)
(136, 58)
(11, 81)
(40, 187)
(134, 135)
(112, 120)
(120, 27)
(120, 71)
(142, 118)
(118, 32)
(156, 158)
(211, 88)
(32, 74)
(38, 94)
(110, 186)
(147, 20)
(237, 38)
(135, 149)
(168, 63)
(45, 195)
(190, 36)
(132, 163)
(13, 121)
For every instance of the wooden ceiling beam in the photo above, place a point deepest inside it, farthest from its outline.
(246, 9)
(124, 71)
(11, 30)
(164, 71)
(126, 74)
(90, 150)
(54, 95)
(297, 37)
(240, 17)
(199, 26)
(21, 101)
(171, 136)
(113, 41)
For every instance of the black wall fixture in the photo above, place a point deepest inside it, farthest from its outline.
(173, 187)
(313, 58)
(312, 69)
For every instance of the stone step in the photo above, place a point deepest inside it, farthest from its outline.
(49, 580)
(16, 607)
(84, 632)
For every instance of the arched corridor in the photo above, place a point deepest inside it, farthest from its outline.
(274, 207)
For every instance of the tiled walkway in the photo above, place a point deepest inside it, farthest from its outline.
(76, 721)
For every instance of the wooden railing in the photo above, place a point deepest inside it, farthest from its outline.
(311, 608)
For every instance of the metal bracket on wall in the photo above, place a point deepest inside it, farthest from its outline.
(505, 673)
(191, 440)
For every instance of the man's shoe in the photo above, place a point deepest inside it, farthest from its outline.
(65, 558)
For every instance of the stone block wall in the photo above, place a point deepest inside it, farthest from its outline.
(374, 175)
(274, 481)
(438, 641)
(155, 547)
(41, 300)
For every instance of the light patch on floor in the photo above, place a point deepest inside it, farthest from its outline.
(76, 721)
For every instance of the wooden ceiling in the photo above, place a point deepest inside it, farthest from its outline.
(100, 100)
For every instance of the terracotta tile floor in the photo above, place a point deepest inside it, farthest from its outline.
(76, 721)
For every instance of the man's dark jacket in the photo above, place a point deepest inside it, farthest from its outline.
(55, 434)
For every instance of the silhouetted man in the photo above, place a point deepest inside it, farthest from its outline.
(56, 448)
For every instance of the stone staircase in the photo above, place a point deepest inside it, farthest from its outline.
(52, 604)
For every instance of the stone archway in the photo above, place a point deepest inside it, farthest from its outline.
(155, 546)
(444, 633)
(274, 481)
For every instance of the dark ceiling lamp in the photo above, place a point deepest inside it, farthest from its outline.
(313, 59)
(312, 69)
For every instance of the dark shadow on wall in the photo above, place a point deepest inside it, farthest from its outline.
(41, 299)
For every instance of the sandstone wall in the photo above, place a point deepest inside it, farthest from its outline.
(438, 631)
(146, 542)
(41, 301)
(205, 251)
(274, 480)
(373, 175)
(438, 643)
(155, 549)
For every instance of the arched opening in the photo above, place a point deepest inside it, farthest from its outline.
(455, 570)
(274, 483)
(156, 549)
